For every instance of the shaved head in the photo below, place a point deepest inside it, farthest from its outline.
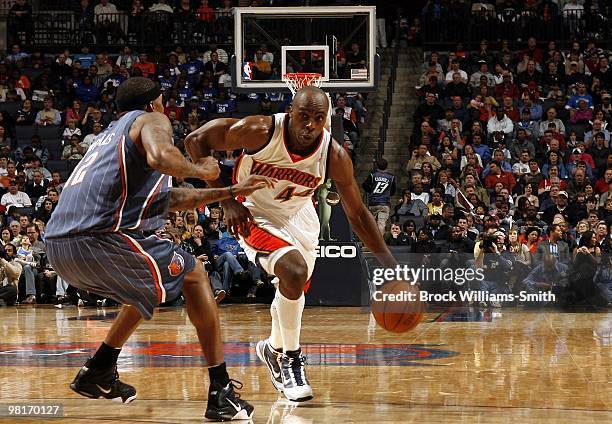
(311, 94)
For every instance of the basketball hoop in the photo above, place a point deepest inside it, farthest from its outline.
(297, 80)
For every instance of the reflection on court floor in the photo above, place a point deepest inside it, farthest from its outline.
(170, 354)
(458, 365)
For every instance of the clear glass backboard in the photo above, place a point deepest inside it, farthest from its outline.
(337, 42)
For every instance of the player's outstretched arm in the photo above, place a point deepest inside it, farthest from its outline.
(190, 198)
(224, 134)
(362, 221)
(156, 140)
(249, 133)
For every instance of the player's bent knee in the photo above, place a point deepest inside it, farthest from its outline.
(292, 268)
(296, 276)
(293, 280)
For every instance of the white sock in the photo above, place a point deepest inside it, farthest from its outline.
(289, 319)
(275, 340)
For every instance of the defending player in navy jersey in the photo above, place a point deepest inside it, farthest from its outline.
(278, 227)
(95, 240)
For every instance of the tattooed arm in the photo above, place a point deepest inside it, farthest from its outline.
(190, 198)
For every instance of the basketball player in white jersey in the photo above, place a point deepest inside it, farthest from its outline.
(278, 227)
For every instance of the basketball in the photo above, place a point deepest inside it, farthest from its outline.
(392, 309)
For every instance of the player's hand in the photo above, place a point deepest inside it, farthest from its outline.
(209, 168)
(251, 184)
(237, 217)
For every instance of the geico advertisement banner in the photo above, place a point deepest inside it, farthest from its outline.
(336, 251)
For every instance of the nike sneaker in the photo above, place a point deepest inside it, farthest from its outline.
(295, 385)
(224, 404)
(102, 382)
(271, 357)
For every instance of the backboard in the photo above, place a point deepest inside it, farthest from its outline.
(337, 42)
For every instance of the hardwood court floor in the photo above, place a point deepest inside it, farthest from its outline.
(511, 366)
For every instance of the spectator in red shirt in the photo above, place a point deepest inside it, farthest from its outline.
(205, 12)
(602, 184)
(496, 175)
(533, 51)
(205, 16)
(507, 87)
(171, 106)
(553, 179)
(510, 110)
(550, 135)
(147, 68)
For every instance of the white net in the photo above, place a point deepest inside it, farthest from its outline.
(297, 80)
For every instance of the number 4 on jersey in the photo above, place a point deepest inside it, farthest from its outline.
(289, 192)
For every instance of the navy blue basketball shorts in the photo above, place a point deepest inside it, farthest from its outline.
(127, 267)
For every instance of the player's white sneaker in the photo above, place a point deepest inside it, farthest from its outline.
(295, 385)
(271, 357)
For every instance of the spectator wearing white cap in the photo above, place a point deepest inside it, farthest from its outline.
(560, 207)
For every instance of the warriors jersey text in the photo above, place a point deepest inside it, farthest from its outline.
(298, 177)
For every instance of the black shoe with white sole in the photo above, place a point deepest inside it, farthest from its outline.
(224, 404)
(102, 382)
(271, 357)
(295, 385)
(219, 295)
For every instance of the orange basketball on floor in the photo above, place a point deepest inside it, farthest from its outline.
(396, 306)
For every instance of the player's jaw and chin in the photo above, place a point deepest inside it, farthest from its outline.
(305, 140)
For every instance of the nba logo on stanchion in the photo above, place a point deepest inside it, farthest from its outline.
(247, 71)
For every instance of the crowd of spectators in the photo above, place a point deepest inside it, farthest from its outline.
(134, 21)
(52, 106)
(471, 20)
(511, 156)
